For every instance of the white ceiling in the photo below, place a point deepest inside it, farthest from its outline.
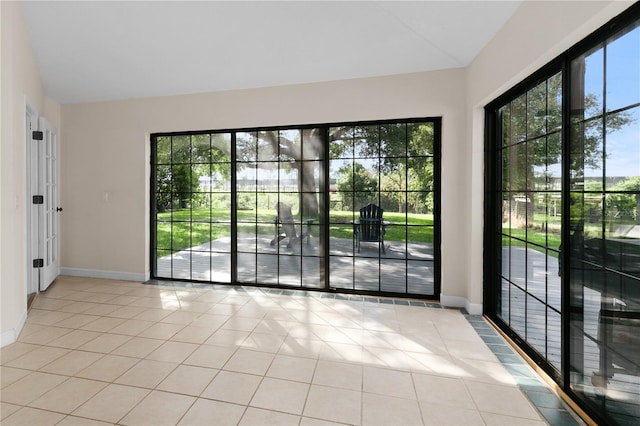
(104, 50)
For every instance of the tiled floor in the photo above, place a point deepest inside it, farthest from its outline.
(112, 352)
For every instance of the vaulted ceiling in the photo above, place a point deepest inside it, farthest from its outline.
(104, 50)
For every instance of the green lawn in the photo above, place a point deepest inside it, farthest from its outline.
(181, 229)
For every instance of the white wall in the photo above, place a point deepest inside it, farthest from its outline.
(19, 80)
(105, 179)
(537, 33)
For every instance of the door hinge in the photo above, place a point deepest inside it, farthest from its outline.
(38, 263)
(37, 135)
(38, 199)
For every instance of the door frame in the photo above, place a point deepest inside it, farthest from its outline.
(32, 274)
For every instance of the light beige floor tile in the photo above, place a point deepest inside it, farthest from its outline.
(181, 317)
(388, 382)
(77, 307)
(162, 331)
(7, 409)
(260, 417)
(210, 321)
(469, 350)
(444, 415)
(338, 405)
(292, 368)
(233, 387)
(188, 380)
(10, 375)
(105, 343)
(173, 352)
(50, 304)
(153, 314)
(103, 324)
(485, 371)
(71, 363)
(280, 395)
(159, 408)
(442, 365)
(37, 358)
(203, 411)
(32, 416)
(386, 410)
(111, 403)
(491, 419)
(263, 342)
(68, 395)
(250, 362)
(108, 368)
(103, 309)
(231, 338)
(388, 358)
(338, 374)
(138, 347)
(74, 340)
(80, 421)
(210, 356)
(127, 312)
(272, 326)
(30, 387)
(446, 391)
(507, 400)
(44, 335)
(132, 327)
(308, 421)
(195, 306)
(241, 323)
(147, 373)
(76, 321)
(37, 316)
(124, 300)
(15, 350)
(193, 334)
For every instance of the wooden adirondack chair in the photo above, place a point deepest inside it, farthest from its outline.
(370, 227)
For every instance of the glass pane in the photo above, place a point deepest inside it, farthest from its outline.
(420, 278)
(246, 146)
(505, 123)
(554, 99)
(518, 124)
(163, 150)
(517, 158)
(393, 274)
(593, 83)
(181, 149)
(221, 144)
(623, 69)
(538, 163)
(201, 149)
(420, 139)
(537, 110)
(341, 142)
(623, 150)
(393, 140)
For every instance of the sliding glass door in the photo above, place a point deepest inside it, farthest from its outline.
(282, 207)
(562, 263)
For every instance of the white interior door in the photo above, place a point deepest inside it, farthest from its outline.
(49, 225)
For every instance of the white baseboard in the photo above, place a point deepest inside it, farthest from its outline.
(10, 336)
(461, 302)
(109, 275)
